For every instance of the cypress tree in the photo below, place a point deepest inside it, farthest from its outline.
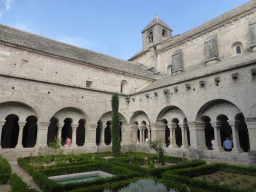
(115, 126)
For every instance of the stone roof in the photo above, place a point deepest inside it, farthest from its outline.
(209, 24)
(154, 22)
(202, 70)
(49, 46)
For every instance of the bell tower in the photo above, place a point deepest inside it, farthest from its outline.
(155, 32)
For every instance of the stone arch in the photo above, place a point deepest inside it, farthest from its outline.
(139, 117)
(150, 36)
(27, 102)
(22, 110)
(203, 103)
(164, 33)
(10, 131)
(170, 114)
(215, 108)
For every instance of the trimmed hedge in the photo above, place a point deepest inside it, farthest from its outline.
(41, 177)
(185, 175)
(17, 184)
(5, 170)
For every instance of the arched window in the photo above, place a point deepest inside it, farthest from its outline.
(124, 85)
(150, 37)
(238, 49)
(164, 33)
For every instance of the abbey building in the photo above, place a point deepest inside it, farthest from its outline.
(188, 90)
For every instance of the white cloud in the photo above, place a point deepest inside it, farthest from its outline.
(23, 27)
(1, 14)
(77, 41)
(8, 4)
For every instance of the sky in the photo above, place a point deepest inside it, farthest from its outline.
(111, 27)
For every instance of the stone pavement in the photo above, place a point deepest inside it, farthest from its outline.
(23, 175)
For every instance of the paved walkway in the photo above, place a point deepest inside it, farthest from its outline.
(23, 175)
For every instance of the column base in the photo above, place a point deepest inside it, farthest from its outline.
(19, 147)
(173, 146)
(184, 147)
(237, 150)
(218, 149)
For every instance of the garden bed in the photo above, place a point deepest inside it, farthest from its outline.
(234, 180)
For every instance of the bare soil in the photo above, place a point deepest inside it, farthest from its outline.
(234, 180)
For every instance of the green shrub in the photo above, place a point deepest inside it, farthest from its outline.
(158, 147)
(115, 126)
(17, 184)
(5, 170)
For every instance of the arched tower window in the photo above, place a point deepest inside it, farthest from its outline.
(164, 33)
(150, 37)
(124, 86)
(237, 48)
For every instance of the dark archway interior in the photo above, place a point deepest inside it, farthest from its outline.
(167, 135)
(10, 132)
(243, 133)
(178, 134)
(138, 134)
(209, 132)
(30, 132)
(225, 129)
(108, 134)
(145, 134)
(66, 130)
(52, 131)
(80, 133)
(98, 132)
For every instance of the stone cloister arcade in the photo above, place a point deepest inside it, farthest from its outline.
(21, 128)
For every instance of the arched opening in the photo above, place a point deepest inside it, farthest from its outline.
(243, 134)
(209, 133)
(150, 37)
(52, 130)
(178, 134)
(164, 33)
(188, 132)
(124, 86)
(80, 133)
(66, 130)
(138, 135)
(10, 132)
(98, 132)
(167, 133)
(30, 132)
(237, 47)
(225, 129)
(108, 133)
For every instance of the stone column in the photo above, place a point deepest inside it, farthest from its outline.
(74, 129)
(42, 131)
(133, 134)
(21, 126)
(216, 126)
(236, 142)
(1, 130)
(183, 127)
(140, 128)
(172, 127)
(149, 130)
(197, 135)
(251, 126)
(102, 137)
(90, 138)
(60, 126)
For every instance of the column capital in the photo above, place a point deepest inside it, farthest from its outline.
(133, 127)
(183, 125)
(251, 123)
(172, 125)
(142, 127)
(74, 125)
(158, 127)
(196, 125)
(216, 124)
(60, 125)
(43, 125)
(22, 124)
(233, 123)
(92, 127)
(148, 127)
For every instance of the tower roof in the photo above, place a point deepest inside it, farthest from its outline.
(156, 21)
